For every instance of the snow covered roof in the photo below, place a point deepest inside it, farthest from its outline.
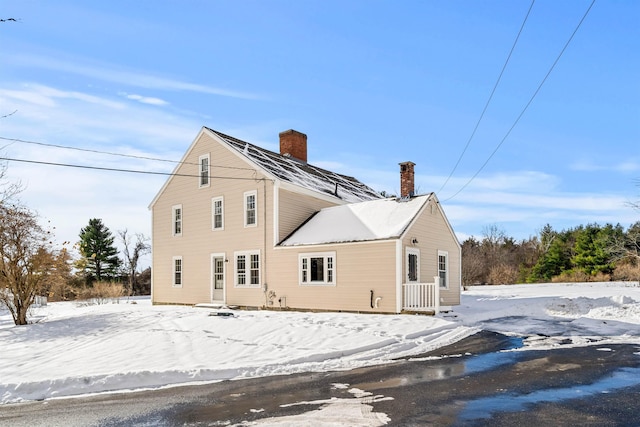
(356, 222)
(302, 174)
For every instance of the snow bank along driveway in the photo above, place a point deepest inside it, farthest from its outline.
(77, 349)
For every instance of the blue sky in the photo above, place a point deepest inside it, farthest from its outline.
(372, 83)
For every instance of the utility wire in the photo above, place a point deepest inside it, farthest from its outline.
(484, 110)
(133, 156)
(126, 170)
(526, 106)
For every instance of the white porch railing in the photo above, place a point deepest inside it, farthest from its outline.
(421, 296)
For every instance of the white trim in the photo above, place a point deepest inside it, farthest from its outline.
(174, 208)
(446, 220)
(325, 256)
(200, 175)
(399, 288)
(318, 246)
(179, 165)
(246, 195)
(213, 213)
(276, 212)
(224, 275)
(247, 269)
(173, 272)
(153, 259)
(446, 266)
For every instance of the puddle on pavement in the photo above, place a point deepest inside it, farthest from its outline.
(488, 361)
(508, 402)
(453, 366)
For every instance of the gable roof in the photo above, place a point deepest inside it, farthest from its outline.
(301, 174)
(357, 222)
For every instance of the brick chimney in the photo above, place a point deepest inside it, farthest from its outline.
(406, 179)
(294, 144)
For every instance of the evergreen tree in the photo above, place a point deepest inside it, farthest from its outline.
(592, 253)
(556, 256)
(99, 256)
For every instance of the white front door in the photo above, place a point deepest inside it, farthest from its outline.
(412, 266)
(217, 278)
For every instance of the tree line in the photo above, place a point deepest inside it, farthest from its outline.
(585, 253)
(32, 265)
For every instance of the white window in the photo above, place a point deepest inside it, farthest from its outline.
(217, 213)
(177, 271)
(317, 268)
(443, 268)
(247, 269)
(250, 208)
(176, 219)
(203, 162)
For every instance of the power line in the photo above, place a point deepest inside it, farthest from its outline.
(526, 106)
(495, 86)
(133, 156)
(126, 170)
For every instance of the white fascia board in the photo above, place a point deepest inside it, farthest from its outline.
(446, 220)
(175, 169)
(415, 217)
(318, 246)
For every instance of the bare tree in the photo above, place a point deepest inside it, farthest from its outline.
(8, 189)
(26, 259)
(133, 248)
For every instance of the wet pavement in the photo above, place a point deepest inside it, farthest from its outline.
(471, 383)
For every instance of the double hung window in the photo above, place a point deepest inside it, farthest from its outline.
(318, 268)
(247, 269)
(443, 268)
(203, 162)
(217, 213)
(176, 218)
(251, 209)
(177, 271)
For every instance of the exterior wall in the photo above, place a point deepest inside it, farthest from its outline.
(294, 209)
(433, 235)
(198, 241)
(360, 268)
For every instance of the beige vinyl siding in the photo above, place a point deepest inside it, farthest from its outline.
(294, 209)
(433, 235)
(198, 241)
(359, 268)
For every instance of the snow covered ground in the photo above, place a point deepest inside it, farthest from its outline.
(75, 348)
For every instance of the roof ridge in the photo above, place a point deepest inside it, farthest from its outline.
(224, 135)
(302, 174)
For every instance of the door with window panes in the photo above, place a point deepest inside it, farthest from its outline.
(217, 271)
(413, 266)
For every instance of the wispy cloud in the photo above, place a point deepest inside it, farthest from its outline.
(112, 73)
(46, 96)
(144, 99)
(629, 165)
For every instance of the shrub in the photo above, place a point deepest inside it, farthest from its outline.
(580, 276)
(102, 292)
(502, 274)
(626, 271)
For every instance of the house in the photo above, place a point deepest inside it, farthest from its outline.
(239, 225)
